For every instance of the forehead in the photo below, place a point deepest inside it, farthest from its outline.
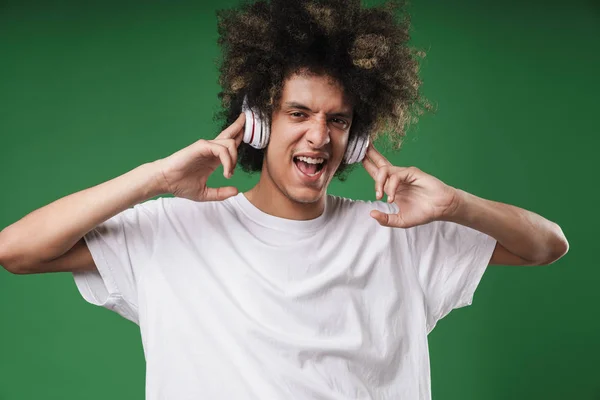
(318, 92)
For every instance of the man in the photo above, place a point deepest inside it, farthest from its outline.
(284, 291)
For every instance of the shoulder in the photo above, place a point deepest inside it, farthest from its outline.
(344, 206)
(173, 210)
(350, 214)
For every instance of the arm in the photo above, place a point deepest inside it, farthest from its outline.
(50, 239)
(39, 242)
(524, 238)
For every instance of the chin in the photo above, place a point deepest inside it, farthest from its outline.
(306, 190)
(304, 195)
(298, 187)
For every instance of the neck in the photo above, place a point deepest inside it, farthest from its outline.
(268, 198)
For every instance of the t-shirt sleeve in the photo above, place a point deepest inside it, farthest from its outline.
(450, 260)
(121, 248)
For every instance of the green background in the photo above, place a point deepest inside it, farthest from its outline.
(90, 90)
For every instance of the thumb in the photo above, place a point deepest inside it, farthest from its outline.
(217, 194)
(381, 217)
(390, 220)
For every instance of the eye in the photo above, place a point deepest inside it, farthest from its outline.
(342, 123)
(297, 114)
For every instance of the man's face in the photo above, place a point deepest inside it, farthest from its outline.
(309, 133)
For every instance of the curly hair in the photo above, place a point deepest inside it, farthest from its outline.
(364, 49)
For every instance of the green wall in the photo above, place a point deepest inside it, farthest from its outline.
(89, 90)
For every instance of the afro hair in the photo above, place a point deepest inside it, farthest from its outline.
(365, 49)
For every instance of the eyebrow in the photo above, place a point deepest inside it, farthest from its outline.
(300, 106)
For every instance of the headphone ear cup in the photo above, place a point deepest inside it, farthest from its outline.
(356, 149)
(256, 133)
(256, 143)
(266, 133)
(350, 149)
(362, 145)
(249, 127)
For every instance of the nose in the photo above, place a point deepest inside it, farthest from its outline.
(318, 134)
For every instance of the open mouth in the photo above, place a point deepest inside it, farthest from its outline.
(309, 166)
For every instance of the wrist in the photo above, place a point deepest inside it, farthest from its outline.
(458, 212)
(154, 183)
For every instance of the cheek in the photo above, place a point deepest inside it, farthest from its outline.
(284, 140)
(340, 147)
(278, 155)
(277, 152)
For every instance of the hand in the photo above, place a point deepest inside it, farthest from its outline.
(185, 173)
(421, 198)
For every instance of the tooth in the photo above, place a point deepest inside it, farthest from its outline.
(311, 160)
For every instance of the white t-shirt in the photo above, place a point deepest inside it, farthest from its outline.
(234, 303)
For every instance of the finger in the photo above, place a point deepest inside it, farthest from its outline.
(370, 167)
(235, 130)
(217, 194)
(391, 186)
(224, 156)
(380, 179)
(231, 146)
(381, 217)
(389, 220)
(378, 159)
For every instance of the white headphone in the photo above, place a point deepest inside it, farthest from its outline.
(256, 134)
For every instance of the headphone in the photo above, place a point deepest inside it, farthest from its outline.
(256, 134)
